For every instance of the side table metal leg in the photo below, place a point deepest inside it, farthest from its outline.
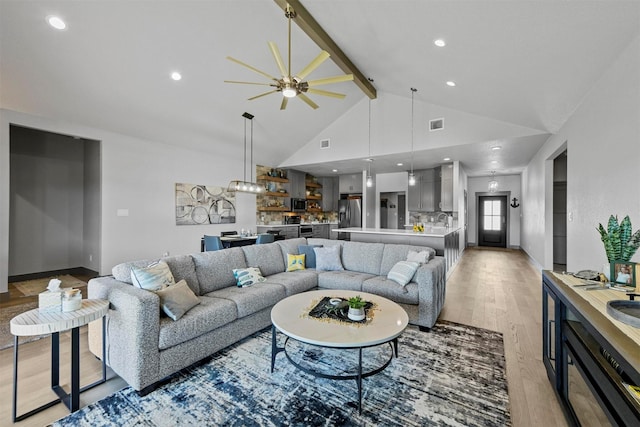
(74, 397)
(15, 378)
(359, 380)
(55, 360)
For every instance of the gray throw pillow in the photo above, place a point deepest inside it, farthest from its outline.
(328, 259)
(177, 299)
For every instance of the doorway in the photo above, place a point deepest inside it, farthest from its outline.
(560, 212)
(492, 221)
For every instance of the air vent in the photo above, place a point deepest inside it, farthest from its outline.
(325, 143)
(436, 124)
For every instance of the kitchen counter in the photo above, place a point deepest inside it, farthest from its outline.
(428, 231)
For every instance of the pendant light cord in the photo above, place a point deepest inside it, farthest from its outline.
(413, 91)
(251, 159)
(244, 163)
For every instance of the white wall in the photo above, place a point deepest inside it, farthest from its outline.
(510, 184)
(140, 176)
(603, 142)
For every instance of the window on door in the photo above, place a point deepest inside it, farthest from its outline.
(492, 217)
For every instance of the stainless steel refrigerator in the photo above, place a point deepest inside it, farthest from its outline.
(349, 214)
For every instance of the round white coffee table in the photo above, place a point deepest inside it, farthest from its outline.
(47, 321)
(290, 317)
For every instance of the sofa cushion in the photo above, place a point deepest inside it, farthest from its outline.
(210, 314)
(215, 268)
(252, 299)
(328, 259)
(362, 257)
(176, 300)
(384, 287)
(295, 262)
(247, 276)
(403, 272)
(394, 253)
(153, 277)
(268, 258)
(183, 268)
(348, 280)
(296, 281)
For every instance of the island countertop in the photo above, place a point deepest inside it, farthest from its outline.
(428, 231)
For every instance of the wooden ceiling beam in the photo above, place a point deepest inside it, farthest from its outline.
(310, 26)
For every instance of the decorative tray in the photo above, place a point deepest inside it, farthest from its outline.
(329, 308)
(625, 311)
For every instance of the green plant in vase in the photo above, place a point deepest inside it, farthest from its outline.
(620, 243)
(356, 308)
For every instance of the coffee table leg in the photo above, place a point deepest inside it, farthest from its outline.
(274, 349)
(395, 347)
(359, 380)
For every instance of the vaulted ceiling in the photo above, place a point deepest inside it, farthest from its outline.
(526, 63)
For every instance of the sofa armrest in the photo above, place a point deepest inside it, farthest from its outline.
(133, 325)
(431, 280)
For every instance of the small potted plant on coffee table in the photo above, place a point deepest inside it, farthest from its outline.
(356, 308)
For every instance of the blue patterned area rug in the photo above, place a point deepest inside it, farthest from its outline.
(452, 376)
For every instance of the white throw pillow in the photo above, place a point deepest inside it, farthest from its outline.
(328, 258)
(422, 257)
(403, 272)
(247, 276)
(152, 278)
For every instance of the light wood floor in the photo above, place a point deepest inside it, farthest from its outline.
(490, 288)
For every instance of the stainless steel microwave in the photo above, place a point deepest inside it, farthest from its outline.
(298, 205)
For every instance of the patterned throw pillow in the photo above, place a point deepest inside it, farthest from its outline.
(403, 272)
(177, 299)
(309, 255)
(328, 259)
(152, 278)
(247, 276)
(295, 262)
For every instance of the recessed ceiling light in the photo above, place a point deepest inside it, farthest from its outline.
(494, 162)
(335, 170)
(56, 22)
(496, 147)
(446, 159)
(399, 164)
(176, 76)
(451, 83)
(440, 43)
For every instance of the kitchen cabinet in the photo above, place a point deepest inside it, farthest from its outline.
(422, 195)
(321, 231)
(288, 231)
(332, 235)
(446, 188)
(329, 194)
(297, 188)
(350, 183)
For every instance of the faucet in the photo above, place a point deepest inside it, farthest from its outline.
(445, 217)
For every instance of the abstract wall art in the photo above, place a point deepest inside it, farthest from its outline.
(204, 204)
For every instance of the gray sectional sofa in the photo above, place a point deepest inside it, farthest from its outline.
(144, 347)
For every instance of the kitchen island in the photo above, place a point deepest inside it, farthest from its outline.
(445, 240)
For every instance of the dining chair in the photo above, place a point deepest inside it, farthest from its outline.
(212, 243)
(265, 238)
(228, 233)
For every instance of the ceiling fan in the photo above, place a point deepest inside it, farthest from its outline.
(293, 86)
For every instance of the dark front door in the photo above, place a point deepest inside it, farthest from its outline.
(492, 221)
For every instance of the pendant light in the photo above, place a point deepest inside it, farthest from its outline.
(412, 176)
(243, 185)
(493, 184)
(370, 160)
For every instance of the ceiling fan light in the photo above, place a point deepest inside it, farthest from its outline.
(289, 92)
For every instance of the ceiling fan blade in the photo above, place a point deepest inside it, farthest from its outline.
(276, 55)
(326, 93)
(306, 99)
(248, 83)
(313, 65)
(285, 100)
(262, 94)
(254, 69)
(325, 81)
